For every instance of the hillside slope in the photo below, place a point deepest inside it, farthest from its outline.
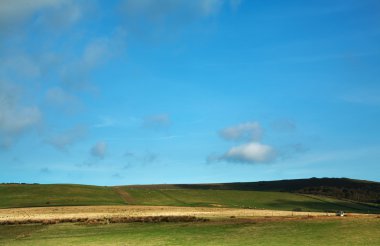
(242, 199)
(33, 195)
(278, 195)
(341, 188)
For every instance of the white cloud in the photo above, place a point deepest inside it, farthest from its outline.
(251, 153)
(64, 139)
(15, 117)
(99, 150)
(250, 131)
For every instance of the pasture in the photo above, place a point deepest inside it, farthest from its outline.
(56, 215)
(302, 231)
(35, 195)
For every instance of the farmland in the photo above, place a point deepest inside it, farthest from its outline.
(12, 195)
(35, 195)
(104, 213)
(214, 214)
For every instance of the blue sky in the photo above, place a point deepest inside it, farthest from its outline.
(175, 91)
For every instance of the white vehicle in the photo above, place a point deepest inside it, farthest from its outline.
(340, 213)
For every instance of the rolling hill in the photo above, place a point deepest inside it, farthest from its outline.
(297, 195)
(38, 195)
(341, 188)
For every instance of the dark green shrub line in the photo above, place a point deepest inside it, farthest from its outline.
(107, 220)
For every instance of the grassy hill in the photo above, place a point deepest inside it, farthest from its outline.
(32, 195)
(262, 195)
(242, 199)
(341, 188)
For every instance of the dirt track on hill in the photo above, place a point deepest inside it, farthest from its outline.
(99, 212)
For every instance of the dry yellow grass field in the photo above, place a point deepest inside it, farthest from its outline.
(98, 212)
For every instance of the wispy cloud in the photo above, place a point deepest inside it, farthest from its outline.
(99, 150)
(157, 121)
(75, 73)
(15, 117)
(290, 151)
(149, 157)
(62, 99)
(250, 131)
(284, 125)
(164, 9)
(289, 11)
(129, 154)
(45, 170)
(17, 11)
(58, 74)
(51, 15)
(367, 96)
(140, 158)
(325, 57)
(20, 64)
(117, 176)
(62, 14)
(160, 19)
(106, 121)
(63, 140)
(337, 155)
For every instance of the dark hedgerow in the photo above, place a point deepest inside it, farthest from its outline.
(105, 220)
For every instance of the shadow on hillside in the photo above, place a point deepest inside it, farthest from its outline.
(341, 188)
(320, 206)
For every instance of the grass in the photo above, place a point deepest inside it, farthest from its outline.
(56, 195)
(69, 195)
(242, 199)
(341, 231)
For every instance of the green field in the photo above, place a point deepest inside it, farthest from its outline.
(56, 195)
(241, 199)
(233, 231)
(68, 195)
(345, 231)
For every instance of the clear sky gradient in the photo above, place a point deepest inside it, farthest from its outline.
(178, 91)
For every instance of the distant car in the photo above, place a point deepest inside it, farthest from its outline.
(340, 213)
